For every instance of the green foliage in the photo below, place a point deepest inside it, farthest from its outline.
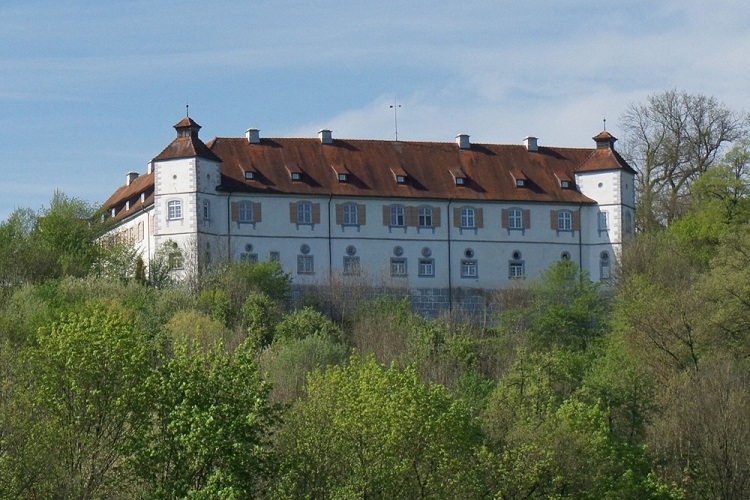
(368, 431)
(211, 424)
(260, 315)
(194, 328)
(89, 374)
(287, 364)
(305, 323)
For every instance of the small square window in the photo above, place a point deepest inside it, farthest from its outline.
(305, 264)
(460, 181)
(401, 179)
(520, 183)
(296, 176)
(343, 177)
(565, 184)
(249, 175)
(250, 258)
(469, 269)
(274, 256)
(351, 265)
(427, 268)
(398, 267)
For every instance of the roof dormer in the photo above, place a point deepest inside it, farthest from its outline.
(605, 140)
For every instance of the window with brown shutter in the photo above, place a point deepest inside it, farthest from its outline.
(553, 219)
(576, 221)
(257, 213)
(505, 218)
(436, 216)
(362, 214)
(527, 219)
(479, 217)
(235, 211)
(456, 217)
(386, 215)
(293, 212)
(339, 214)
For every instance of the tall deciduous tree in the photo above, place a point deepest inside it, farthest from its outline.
(671, 139)
(365, 431)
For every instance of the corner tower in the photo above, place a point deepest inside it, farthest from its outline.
(186, 174)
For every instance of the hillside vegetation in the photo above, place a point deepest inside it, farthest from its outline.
(116, 382)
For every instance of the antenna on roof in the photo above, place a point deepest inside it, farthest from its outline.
(605, 124)
(395, 107)
(187, 109)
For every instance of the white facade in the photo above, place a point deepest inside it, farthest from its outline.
(438, 243)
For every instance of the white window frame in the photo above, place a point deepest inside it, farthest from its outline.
(351, 265)
(350, 214)
(564, 220)
(468, 218)
(246, 211)
(398, 216)
(469, 269)
(174, 210)
(425, 217)
(603, 222)
(426, 268)
(248, 257)
(515, 218)
(516, 269)
(398, 267)
(304, 212)
(305, 264)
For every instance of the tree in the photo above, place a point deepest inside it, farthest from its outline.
(670, 140)
(369, 432)
(211, 425)
(89, 374)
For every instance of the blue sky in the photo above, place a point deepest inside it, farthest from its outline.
(89, 90)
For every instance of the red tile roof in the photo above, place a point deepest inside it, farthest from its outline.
(491, 170)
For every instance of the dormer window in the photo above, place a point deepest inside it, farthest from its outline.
(460, 181)
(401, 179)
(343, 177)
(249, 175)
(565, 184)
(296, 176)
(520, 183)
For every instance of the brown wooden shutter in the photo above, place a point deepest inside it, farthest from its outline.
(412, 219)
(436, 216)
(235, 211)
(456, 217)
(152, 229)
(339, 213)
(293, 212)
(526, 218)
(479, 217)
(257, 212)
(576, 221)
(316, 213)
(386, 215)
(553, 219)
(362, 214)
(505, 217)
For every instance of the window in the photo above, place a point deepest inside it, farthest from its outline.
(343, 177)
(274, 256)
(604, 267)
(467, 218)
(206, 210)
(401, 179)
(350, 214)
(398, 216)
(174, 210)
(305, 264)
(603, 222)
(246, 212)
(516, 267)
(628, 223)
(516, 270)
(250, 258)
(398, 267)
(469, 268)
(565, 256)
(425, 217)
(426, 268)
(174, 256)
(564, 220)
(520, 183)
(351, 265)
(296, 176)
(249, 175)
(565, 184)
(304, 212)
(515, 218)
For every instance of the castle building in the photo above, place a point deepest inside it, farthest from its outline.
(431, 217)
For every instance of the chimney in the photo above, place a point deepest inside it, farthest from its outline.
(531, 144)
(130, 177)
(325, 136)
(463, 141)
(253, 136)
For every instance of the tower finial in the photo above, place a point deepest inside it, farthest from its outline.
(605, 124)
(187, 110)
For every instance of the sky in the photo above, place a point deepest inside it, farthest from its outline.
(90, 89)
